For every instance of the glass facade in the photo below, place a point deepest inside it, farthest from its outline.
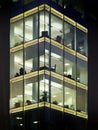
(48, 65)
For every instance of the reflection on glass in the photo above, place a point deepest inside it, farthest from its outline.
(81, 42)
(82, 72)
(81, 100)
(31, 58)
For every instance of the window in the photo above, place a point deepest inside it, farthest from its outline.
(16, 94)
(82, 71)
(31, 58)
(57, 59)
(69, 35)
(81, 41)
(16, 33)
(31, 27)
(56, 28)
(56, 91)
(31, 90)
(16, 64)
(44, 88)
(44, 24)
(69, 65)
(81, 100)
(69, 96)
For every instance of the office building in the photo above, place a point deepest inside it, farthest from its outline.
(48, 68)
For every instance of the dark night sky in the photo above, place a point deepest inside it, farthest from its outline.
(88, 6)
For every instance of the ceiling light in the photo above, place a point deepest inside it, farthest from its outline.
(19, 118)
(35, 122)
(55, 55)
(67, 64)
(67, 92)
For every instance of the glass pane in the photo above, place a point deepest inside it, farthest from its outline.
(44, 24)
(56, 28)
(16, 94)
(16, 64)
(47, 55)
(81, 42)
(29, 28)
(56, 91)
(44, 88)
(31, 90)
(16, 33)
(42, 55)
(31, 58)
(82, 71)
(69, 96)
(81, 100)
(69, 35)
(56, 59)
(69, 65)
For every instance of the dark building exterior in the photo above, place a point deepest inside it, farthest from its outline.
(4, 68)
(48, 69)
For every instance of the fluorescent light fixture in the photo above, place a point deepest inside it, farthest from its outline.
(57, 25)
(29, 85)
(21, 124)
(28, 64)
(45, 81)
(28, 92)
(17, 59)
(19, 118)
(65, 72)
(18, 31)
(44, 19)
(46, 51)
(55, 55)
(28, 89)
(67, 64)
(28, 24)
(52, 54)
(42, 59)
(67, 93)
(54, 96)
(54, 84)
(35, 122)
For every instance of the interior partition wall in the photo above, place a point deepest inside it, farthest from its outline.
(48, 68)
